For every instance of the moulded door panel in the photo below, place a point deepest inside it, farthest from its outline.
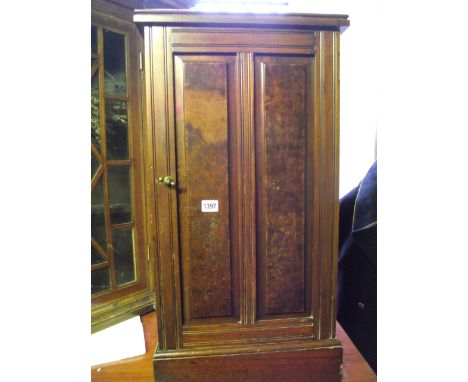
(283, 133)
(208, 174)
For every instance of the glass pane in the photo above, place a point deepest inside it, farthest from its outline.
(100, 280)
(122, 241)
(120, 194)
(96, 257)
(114, 63)
(93, 39)
(98, 220)
(94, 166)
(95, 120)
(116, 129)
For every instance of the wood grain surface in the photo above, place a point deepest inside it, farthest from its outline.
(205, 92)
(281, 85)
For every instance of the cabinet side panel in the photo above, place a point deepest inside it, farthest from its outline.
(282, 93)
(204, 172)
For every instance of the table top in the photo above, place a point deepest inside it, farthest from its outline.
(355, 367)
(140, 369)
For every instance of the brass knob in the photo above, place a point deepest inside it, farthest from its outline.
(167, 180)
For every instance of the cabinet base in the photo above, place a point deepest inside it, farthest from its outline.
(251, 364)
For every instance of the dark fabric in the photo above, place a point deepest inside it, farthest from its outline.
(357, 266)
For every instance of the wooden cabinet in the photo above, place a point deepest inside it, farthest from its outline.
(242, 115)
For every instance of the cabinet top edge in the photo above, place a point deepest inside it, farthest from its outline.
(188, 17)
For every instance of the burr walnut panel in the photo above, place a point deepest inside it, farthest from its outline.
(205, 136)
(283, 116)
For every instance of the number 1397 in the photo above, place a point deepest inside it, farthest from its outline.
(209, 206)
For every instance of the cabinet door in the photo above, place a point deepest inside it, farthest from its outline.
(249, 132)
(283, 155)
(208, 173)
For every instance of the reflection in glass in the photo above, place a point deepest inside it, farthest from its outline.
(120, 194)
(93, 39)
(98, 220)
(116, 129)
(114, 63)
(124, 263)
(96, 257)
(94, 166)
(100, 280)
(95, 120)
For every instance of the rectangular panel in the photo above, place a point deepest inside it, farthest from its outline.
(116, 129)
(244, 334)
(115, 81)
(242, 39)
(123, 255)
(120, 194)
(208, 167)
(283, 127)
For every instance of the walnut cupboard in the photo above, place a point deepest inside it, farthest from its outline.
(241, 184)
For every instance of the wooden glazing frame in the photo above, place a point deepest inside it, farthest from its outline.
(133, 298)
